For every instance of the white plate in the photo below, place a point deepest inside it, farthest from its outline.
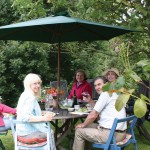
(44, 112)
(79, 113)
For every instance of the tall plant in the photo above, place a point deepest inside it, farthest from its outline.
(125, 84)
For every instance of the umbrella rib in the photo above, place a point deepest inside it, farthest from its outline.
(77, 26)
(53, 32)
(103, 37)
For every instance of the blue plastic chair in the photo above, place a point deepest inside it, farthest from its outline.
(111, 142)
(48, 145)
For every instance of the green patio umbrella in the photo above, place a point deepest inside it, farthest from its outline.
(60, 29)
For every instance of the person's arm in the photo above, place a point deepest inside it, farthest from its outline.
(89, 100)
(99, 106)
(7, 109)
(88, 89)
(47, 117)
(90, 118)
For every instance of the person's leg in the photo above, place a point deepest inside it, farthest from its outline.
(7, 125)
(119, 136)
(88, 144)
(93, 135)
(2, 128)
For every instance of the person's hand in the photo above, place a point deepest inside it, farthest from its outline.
(81, 125)
(48, 116)
(5, 114)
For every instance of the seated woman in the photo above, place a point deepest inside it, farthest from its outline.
(80, 85)
(29, 110)
(4, 121)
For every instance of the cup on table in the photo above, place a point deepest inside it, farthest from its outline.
(89, 107)
(70, 102)
(76, 107)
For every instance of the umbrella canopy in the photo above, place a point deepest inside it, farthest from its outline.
(60, 29)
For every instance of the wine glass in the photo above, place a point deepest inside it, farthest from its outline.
(84, 102)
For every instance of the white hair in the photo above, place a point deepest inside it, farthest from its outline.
(29, 79)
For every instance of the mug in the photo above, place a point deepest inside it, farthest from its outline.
(76, 107)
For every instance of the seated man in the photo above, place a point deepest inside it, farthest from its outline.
(98, 132)
(99, 81)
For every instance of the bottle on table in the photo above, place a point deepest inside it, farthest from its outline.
(74, 99)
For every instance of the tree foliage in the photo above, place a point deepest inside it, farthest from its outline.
(19, 58)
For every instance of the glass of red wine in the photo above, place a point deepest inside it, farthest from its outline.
(82, 103)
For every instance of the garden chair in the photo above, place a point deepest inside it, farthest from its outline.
(2, 147)
(95, 95)
(111, 143)
(48, 144)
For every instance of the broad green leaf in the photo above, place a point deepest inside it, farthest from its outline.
(146, 68)
(140, 108)
(121, 101)
(130, 91)
(106, 87)
(112, 85)
(122, 90)
(142, 63)
(133, 75)
(143, 97)
(119, 83)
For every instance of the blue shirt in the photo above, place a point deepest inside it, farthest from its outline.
(28, 106)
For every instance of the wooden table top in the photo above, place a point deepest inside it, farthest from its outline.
(64, 114)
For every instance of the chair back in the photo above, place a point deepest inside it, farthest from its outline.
(48, 145)
(95, 95)
(111, 142)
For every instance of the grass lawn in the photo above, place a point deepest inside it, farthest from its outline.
(143, 144)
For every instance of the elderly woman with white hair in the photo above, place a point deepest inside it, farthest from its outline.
(29, 110)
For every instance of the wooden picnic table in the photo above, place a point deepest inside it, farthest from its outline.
(63, 123)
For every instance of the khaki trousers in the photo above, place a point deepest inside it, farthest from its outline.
(92, 134)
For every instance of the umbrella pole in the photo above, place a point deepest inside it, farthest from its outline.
(58, 85)
(58, 77)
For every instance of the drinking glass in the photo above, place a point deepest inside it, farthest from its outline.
(49, 103)
(76, 107)
(69, 102)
